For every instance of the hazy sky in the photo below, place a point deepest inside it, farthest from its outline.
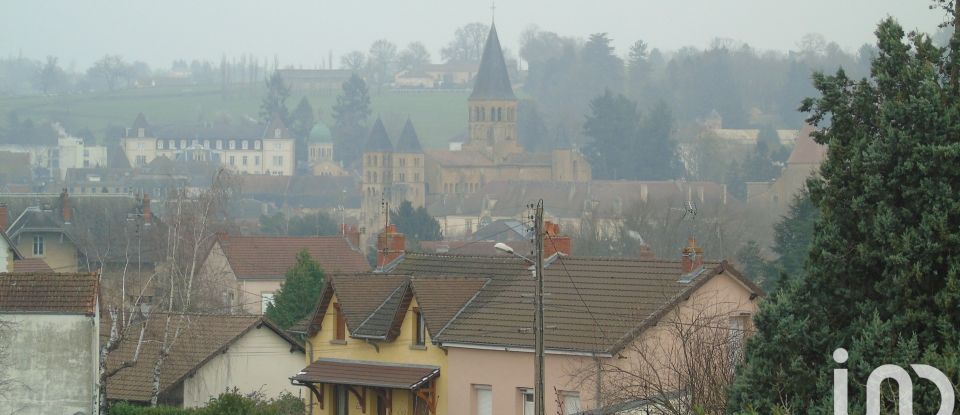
(303, 32)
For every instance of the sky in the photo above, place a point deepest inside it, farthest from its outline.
(302, 33)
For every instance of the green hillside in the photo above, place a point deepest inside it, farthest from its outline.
(437, 115)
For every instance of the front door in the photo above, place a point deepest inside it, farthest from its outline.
(342, 405)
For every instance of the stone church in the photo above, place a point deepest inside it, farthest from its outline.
(492, 152)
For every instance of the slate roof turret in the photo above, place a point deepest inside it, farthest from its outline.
(378, 141)
(492, 81)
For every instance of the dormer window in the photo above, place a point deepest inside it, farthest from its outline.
(172, 144)
(244, 145)
(183, 143)
(219, 144)
(206, 144)
(140, 132)
(256, 144)
(232, 144)
(277, 133)
(160, 144)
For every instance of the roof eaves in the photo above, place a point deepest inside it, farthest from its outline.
(374, 312)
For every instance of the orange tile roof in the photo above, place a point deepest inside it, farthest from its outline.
(269, 257)
(48, 292)
(31, 265)
(807, 151)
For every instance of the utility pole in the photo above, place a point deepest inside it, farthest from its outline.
(538, 394)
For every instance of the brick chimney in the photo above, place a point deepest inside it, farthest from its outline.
(352, 234)
(4, 217)
(646, 253)
(554, 242)
(390, 245)
(65, 206)
(147, 213)
(692, 256)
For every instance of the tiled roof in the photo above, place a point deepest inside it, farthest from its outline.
(492, 80)
(276, 123)
(370, 303)
(463, 158)
(28, 265)
(269, 257)
(478, 248)
(36, 219)
(442, 298)
(45, 292)
(596, 303)
(308, 191)
(201, 338)
(367, 373)
(807, 151)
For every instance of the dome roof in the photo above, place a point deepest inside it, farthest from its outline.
(320, 134)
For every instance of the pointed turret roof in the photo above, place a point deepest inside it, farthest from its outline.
(138, 123)
(492, 81)
(276, 123)
(409, 142)
(378, 141)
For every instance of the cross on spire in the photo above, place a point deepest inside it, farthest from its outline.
(493, 11)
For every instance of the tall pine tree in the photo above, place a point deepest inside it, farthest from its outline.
(299, 293)
(882, 279)
(350, 114)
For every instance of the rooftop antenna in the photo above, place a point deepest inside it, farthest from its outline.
(493, 12)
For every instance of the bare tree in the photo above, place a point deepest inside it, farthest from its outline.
(192, 223)
(684, 364)
(467, 44)
(354, 61)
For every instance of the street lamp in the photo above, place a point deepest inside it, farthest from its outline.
(502, 247)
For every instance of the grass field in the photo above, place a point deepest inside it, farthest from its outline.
(437, 115)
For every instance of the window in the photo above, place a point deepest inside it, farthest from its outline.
(416, 162)
(172, 144)
(231, 144)
(206, 144)
(526, 399)
(160, 144)
(219, 144)
(571, 402)
(183, 143)
(278, 133)
(256, 160)
(244, 160)
(403, 162)
(738, 327)
(483, 400)
(233, 160)
(139, 146)
(420, 328)
(416, 177)
(278, 160)
(244, 145)
(38, 245)
(140, 132)
(195, 143)
(256, 144)
(266, 298)
(341, 323)
(141, 160)
(278, 146)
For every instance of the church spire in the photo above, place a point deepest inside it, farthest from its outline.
(492, 81)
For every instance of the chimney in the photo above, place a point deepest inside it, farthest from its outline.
(65, 206)
(554, 242)
(645, 253)
(692, 256)
(147, 213)
(352, 234)
(390, 246)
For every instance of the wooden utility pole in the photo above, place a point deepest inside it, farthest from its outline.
(538, 394)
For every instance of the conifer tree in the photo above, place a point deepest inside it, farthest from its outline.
(350, 114)
(299, 293)
(882, 278)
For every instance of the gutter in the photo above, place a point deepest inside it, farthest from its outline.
(526, 350)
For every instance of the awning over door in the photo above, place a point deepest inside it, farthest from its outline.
(366, 373)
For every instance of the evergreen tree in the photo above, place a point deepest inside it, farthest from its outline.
(654, 155)
(350, 115)
(415, 224)
(275, 103)
(612, 122)
(301, 122)
(882, 278)
(299, 293)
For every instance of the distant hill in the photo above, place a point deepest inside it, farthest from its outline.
(438, 115)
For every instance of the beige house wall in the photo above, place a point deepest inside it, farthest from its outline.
(251, 294)
(507, 373)
(259, 361)
(59, 252)
(148, 148)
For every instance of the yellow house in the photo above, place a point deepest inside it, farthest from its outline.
(370, 348)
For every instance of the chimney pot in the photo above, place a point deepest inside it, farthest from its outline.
(390, 246)
(554, 242)
(692, 256)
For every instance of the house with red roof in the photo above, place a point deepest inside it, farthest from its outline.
(249, 269)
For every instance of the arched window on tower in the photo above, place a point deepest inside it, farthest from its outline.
(499, 114)
(483, 114)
